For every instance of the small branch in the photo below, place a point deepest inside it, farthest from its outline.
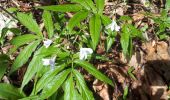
(8, 12)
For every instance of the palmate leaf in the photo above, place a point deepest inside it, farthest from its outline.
(100, 6)
(23, 39)
(63, 8)
(95, 27)
(82, 87)
(30, 23)
(77, 18)
(10, 92)
(92, 70)
(69, 89)
(53, 86)
(24, 55)
(48, 22)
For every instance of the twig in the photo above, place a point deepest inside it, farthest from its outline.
(8, 12)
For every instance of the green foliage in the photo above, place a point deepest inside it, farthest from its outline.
(10, 92)
(34, 66)
(83, 89)
(24, 55)
(95, 27)
(69, 89)
(130, 70)
(128, 33)
(23, 39)
(92, 70)
(100, 6)
(61, 79)
(76, 19)
(29, 22)
(56, 82)
(167, 5)
(63, 8)
(48, 22)
(4, 63)
(125, 93)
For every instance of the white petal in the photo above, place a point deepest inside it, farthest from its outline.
(84, 52)
(108, 26)
(113, 26)
(47, 43)
(81, 56)
(46, 62)
(117, 28)
(50, 61)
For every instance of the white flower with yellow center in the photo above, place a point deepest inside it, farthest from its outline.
(84, 53)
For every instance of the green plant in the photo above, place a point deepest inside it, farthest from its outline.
(85, 10)
(44, 51)
(128, 33)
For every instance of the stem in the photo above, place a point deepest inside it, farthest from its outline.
(8, 12)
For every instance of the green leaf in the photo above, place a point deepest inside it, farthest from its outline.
(47, 77)
(110, 41)
(31, 98)
(24, 55)
(125, 18)
(125, 37)
(130, 48)
(23, 39)
(68, 89)
(30, 23)
(92, 5)
(167, 5)
(130, 73)
(92, 70)
(34, 66)
(100, 6)
(125, 93)
(106, 20)
(53, 86)
(16, 31)
(77, 96)
(62, 8)
(134, 31)
(48, 22)
(77, 18)
(4, 63)
(83, 3)
(95, 27)
(82, 87)
(10, 92)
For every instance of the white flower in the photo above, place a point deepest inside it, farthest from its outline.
(50, 61)
(113, 26)
(84, 52)
(47, 43)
